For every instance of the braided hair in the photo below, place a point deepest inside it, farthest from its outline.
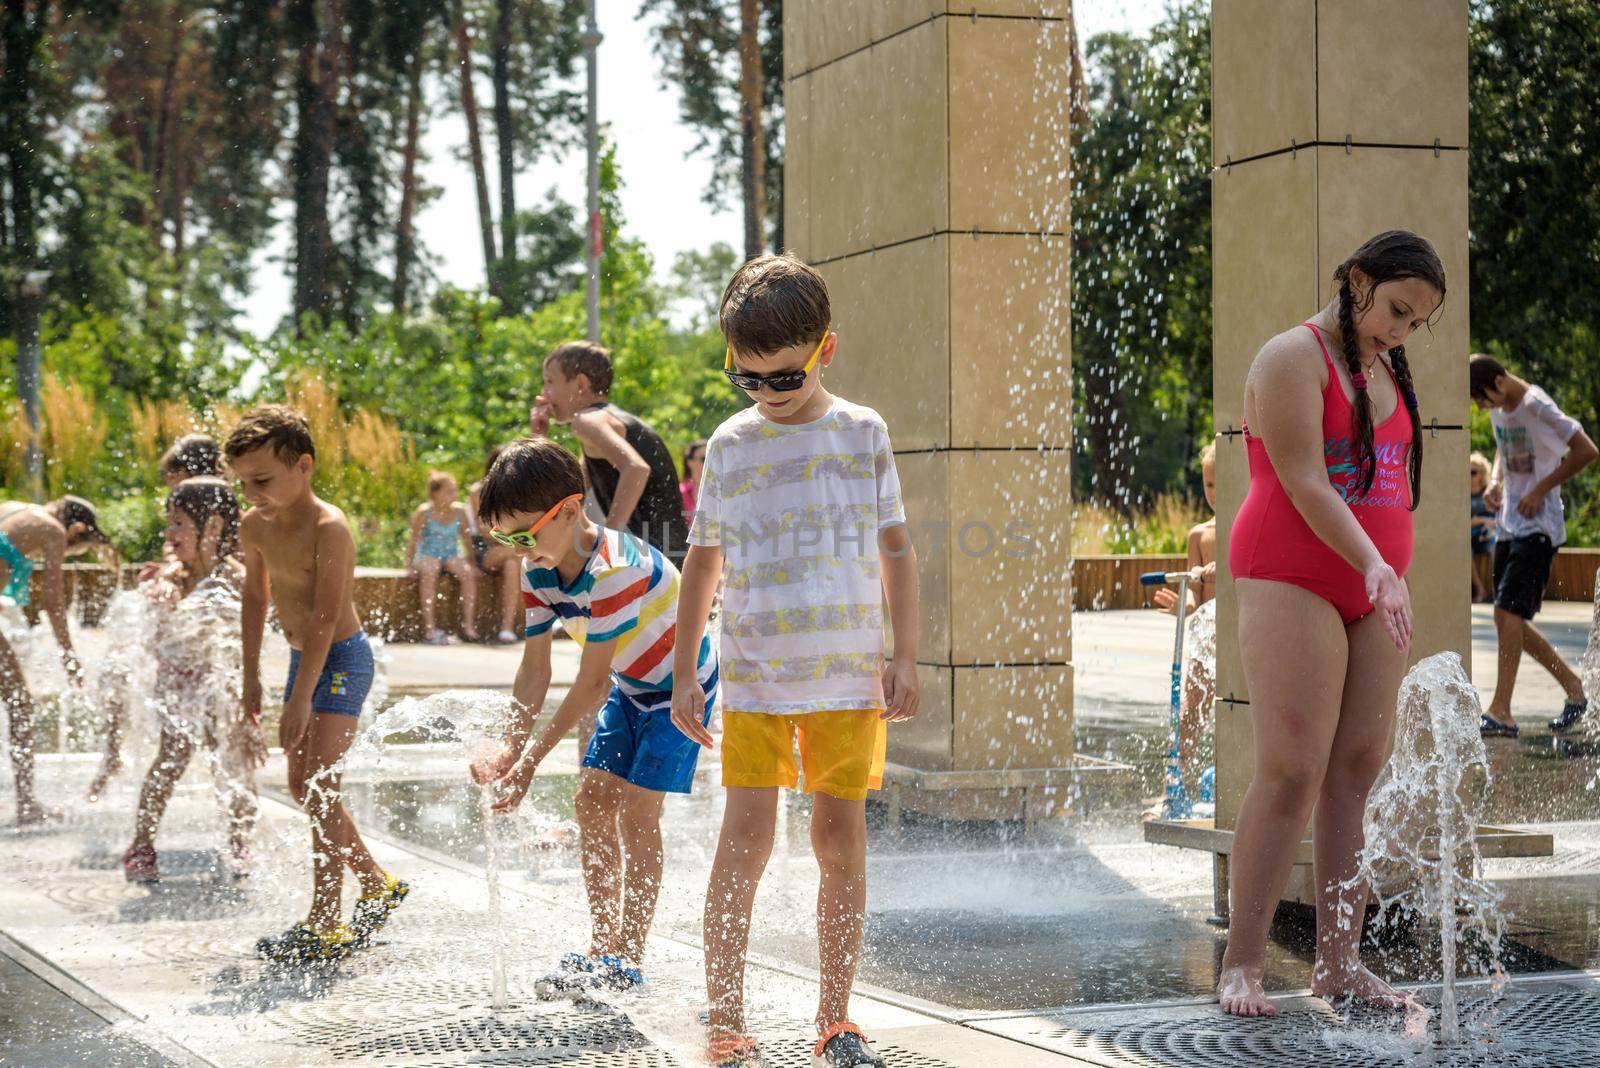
(1389, 257)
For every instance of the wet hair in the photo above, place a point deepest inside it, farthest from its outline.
(271, 426)
(1483, 371)
(438, 480)
(203, 497)
(530, 475)
(1478, 463)
(193, 456)
(584, 358)
(773, 303)
(69, 510)
(1389, 257)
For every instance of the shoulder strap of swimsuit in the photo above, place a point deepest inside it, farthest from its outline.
(1326, 358)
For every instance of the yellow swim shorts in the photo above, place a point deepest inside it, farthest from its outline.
(841, 750)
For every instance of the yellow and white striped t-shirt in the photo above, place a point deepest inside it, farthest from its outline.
(796, 510)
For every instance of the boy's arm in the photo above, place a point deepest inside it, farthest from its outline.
(253, 620)
(1492, 493)
(55, 557)
(333, 573)
(901, 690)
(599, 438)
(589, 691)
(1581, 453)
(697, 586)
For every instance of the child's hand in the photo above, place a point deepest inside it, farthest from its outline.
(539, 416)
(513, 786)
(1166, 601)
(689, 709)
(294, 725)
(1493, 495)
(1528, 507)
(493, 768)
(902, 693)
(253, 743)
(1392, 600)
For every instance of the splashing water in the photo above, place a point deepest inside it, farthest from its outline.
(1421, 854)
(478, 719)
(1589, 668)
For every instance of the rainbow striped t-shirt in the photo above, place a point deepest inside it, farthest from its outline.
(627, 592)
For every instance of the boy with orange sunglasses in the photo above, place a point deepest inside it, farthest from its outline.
(618, 596)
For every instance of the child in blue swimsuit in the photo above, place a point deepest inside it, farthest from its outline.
(441, 541)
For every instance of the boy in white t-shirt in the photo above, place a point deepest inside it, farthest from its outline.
(800, 507)
(1537, 448)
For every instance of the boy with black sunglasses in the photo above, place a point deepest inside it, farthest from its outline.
(618, 596)
(800, 508)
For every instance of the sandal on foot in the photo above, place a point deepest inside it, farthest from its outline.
(738, 1051)
(1490, 727)
(301, 944)
(372, 911)
(1572, 714)
(574, 977)
(844, 1046)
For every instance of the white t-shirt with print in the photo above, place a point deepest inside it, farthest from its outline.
(1531, 440)
(796, 510)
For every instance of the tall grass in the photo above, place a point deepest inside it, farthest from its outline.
(72, 434)
(1160, 527)
(365, 463)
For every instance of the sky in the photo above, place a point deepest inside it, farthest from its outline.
(663, 178)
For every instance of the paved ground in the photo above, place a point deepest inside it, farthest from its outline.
(987, 944)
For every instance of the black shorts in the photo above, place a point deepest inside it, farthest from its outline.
(1521, 570)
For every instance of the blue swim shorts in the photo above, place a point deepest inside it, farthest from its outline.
(641, 745)
(346, 677)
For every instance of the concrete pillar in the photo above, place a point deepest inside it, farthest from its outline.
(926, 178)
(1332, 122)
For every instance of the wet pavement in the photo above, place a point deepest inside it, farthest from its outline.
(976, 933)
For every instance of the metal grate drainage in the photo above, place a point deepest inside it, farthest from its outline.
(1533, 1025)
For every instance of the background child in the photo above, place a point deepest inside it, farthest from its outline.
(1537, 447)
(625, 463)
(618, 597)
(197, 698)
(330, 667)
(439, 533)
(802, 635)
(191, 456)
(1198, 681)
(493, 558)
(694, 461)
(1483, 524)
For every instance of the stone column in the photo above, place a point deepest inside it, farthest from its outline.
(926, 178)
(1334, 120)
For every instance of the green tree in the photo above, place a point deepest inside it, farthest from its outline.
(1141, 219)
(698, 43)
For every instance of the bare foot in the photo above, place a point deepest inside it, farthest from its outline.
(1241, 994)
(1362, 987)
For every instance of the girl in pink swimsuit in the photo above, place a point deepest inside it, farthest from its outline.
(1319, 551)
(1271, 539)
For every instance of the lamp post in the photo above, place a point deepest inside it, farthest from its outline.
(590, 40)
(30, 299)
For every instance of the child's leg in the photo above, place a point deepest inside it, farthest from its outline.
(171, 759)
(115, 693)
(641, 841)
(1536, 645)
(467, 575)
(1510, 628)
(14, 692)
(428, 585)
(335, 843)
(839, 839)
(748, 823)
(598, 802)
